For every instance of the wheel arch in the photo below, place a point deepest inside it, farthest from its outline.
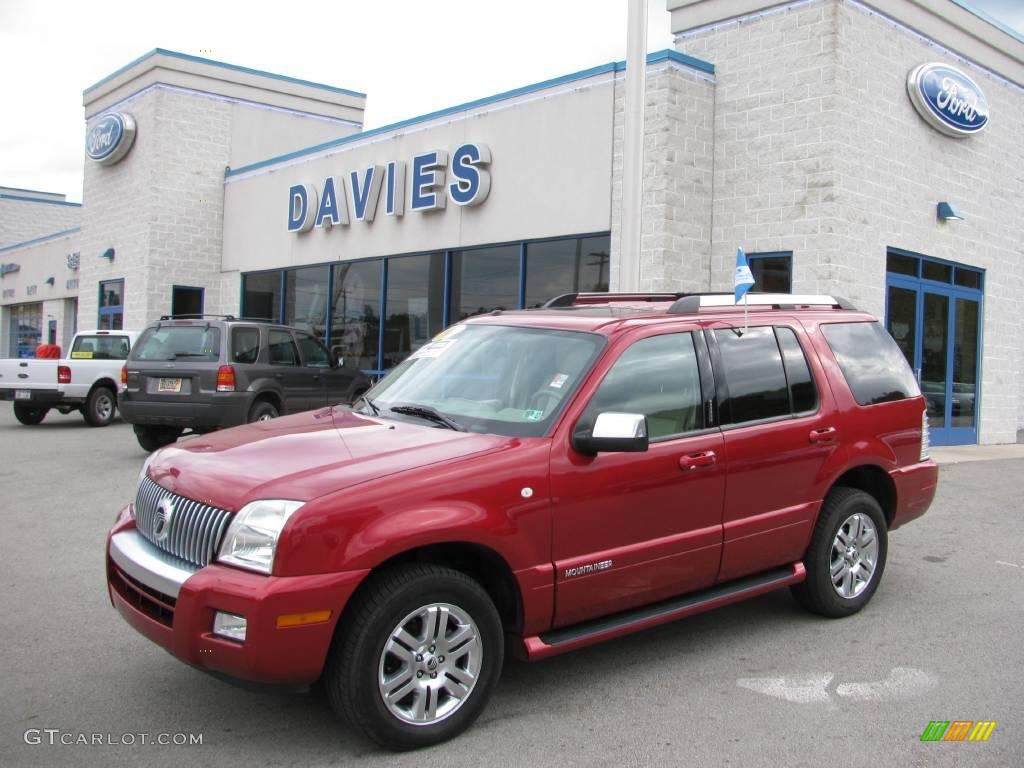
(876, 482)
(106, 383)
(269, 396)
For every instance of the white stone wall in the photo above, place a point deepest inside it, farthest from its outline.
(677, 185)
(818, 150)
(22, 220)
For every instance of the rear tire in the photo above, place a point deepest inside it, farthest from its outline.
(263, 410)
(846, 557)
(29, 415)
(404, 680)
(152, 438)
(100, 407)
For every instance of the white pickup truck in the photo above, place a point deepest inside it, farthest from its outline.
(86, 381)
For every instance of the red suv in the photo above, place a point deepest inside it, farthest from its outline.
(538, 480)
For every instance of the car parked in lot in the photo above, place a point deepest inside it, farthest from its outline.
(85, 381)
(205, 373)
(536, 482)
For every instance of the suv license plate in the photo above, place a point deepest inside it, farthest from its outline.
(23, 394)
(169, 385)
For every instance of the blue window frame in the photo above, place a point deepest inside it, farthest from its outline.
(111, 303)
(772, 271)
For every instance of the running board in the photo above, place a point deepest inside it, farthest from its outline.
(596, 630)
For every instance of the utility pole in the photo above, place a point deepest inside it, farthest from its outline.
(633, 147)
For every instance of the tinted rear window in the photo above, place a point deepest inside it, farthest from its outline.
(100, 347)
(195, 343)
(245, 344)
(754, 375)
(871, 362)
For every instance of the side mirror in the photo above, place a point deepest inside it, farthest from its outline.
(613, 433)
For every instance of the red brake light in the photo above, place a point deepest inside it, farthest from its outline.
(63, 374)
(226, 378)
(124, 375)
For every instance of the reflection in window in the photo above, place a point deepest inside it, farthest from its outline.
(872, 364)
(754, 375)
(355, 313)
(111, 305)
(801, 384)
(657, 377)
(261, 296)
(305, 300)
(577, 265)
(26, 329)
(313, 353)
(483, 280)
(245, 344)
(415, 305)
(282, 349)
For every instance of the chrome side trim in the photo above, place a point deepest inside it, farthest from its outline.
(153, 567)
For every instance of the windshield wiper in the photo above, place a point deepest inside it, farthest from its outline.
(428, 413)
(369, 402)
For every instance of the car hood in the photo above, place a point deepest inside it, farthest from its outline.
(304, 456)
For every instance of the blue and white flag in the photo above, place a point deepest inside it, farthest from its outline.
(743, 281)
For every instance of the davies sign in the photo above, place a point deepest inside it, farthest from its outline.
(432, 181)
(110, 138)
(947, 99)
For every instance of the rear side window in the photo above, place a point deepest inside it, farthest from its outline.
(245, 344)
(178, 342)
(801, 384)
(282, 349)
(754, 374)
(100, 348)
(871, 362)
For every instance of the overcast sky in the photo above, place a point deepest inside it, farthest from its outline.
(408, 56)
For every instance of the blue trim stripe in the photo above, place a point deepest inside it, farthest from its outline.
(988, 18)
(25, 199)
(42, 239)
(615, 66)
(225, 65)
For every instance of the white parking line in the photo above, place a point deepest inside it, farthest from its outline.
(1002, 562)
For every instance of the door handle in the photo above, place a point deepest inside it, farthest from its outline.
(693, 461)
(824, 435)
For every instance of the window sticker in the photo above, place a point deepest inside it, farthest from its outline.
(81, 355)
(448, 333)
(533, 415)
(433, 349)
(559, 380)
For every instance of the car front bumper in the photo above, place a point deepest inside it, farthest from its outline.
(173, 604)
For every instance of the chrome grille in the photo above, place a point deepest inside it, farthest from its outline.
(194, 531)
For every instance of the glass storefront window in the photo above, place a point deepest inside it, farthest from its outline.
(355, 313)
(111, 305)
(26, 329)
(305, 300)
(484, 279)
(576, 265)
(415, 305)
(261, 296)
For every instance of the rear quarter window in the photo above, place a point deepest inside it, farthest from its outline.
(872, 364)
(245, 344)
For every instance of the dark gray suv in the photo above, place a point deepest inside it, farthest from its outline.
(206, 373)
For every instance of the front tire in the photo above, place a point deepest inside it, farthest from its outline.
(846, 557)
(100, 407)
(152, 438)
(29, 415)
(417, 658)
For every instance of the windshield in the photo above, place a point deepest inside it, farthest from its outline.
(178, 342)
(490, 378)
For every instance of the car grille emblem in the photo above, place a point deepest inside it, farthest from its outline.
(164, 515)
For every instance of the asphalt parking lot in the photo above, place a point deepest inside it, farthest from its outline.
(760, 683)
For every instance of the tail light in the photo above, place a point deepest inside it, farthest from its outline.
(63, 374)
(925, 435)
(226, 378)
(124, 375)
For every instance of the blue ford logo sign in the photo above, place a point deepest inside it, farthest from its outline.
(947, 99)
(110, 138)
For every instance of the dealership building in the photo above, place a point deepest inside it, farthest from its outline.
(871, 149)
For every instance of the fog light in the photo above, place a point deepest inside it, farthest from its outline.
(229, 625)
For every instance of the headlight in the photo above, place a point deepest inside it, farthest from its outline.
(251, 539)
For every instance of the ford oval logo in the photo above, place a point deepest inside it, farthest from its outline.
(947, 99)
(110, 138)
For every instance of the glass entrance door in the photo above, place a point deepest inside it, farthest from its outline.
(938, 328)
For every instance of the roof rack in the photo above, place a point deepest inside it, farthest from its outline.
(576, 299)
(195, 317)
(696, 302)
